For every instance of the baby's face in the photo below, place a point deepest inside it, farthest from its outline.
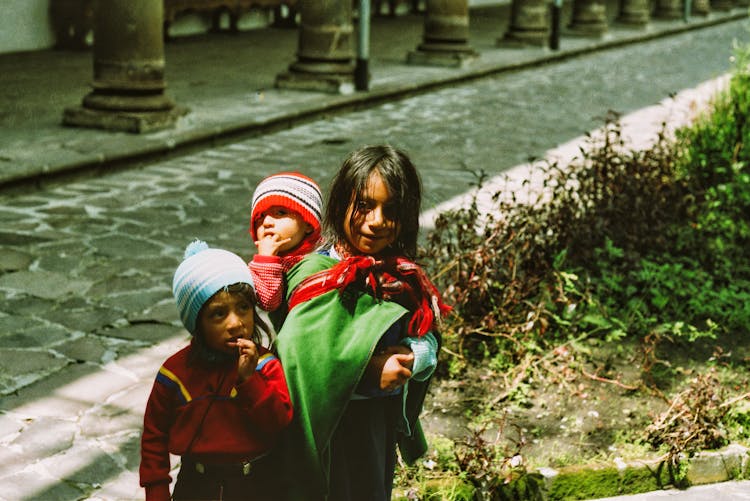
(281, 223)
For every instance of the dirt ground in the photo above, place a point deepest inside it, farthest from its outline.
(582, 405)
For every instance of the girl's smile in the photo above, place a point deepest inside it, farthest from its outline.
(370, 225)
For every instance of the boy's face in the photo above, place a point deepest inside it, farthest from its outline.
(371, 226)
(281, 223)
(225, 318)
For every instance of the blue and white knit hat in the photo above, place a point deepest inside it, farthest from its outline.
(203, 272)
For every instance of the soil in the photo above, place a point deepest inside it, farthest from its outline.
(580, 405)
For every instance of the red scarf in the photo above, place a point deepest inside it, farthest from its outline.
(392, 279)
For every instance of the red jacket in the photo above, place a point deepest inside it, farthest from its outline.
(242, 422)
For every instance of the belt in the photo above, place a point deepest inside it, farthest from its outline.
(244, 468)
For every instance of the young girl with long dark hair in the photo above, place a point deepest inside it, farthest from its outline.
(360, 343)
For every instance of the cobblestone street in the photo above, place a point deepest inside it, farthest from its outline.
(86, 311)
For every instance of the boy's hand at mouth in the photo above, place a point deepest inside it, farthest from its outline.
(248, 359)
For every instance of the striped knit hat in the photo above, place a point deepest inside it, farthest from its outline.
(292, 190)
(203, 273)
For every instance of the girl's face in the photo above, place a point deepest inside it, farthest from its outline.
(225, 318)
(370, 224)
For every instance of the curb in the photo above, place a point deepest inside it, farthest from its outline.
(605, 481)
(637, 477)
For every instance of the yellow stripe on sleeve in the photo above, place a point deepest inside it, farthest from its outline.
(171, 376)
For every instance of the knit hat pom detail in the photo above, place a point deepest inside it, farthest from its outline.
(194, 248)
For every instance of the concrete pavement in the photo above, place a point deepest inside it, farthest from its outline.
(227, 83)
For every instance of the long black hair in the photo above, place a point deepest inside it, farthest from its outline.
(404, 186)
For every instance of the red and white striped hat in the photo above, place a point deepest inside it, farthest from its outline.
(292, 190)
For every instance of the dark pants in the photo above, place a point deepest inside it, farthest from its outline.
(363, 451)
(225, 482)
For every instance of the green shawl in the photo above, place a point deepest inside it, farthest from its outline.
(325, 345)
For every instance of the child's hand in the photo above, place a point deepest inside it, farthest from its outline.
(248, 360)
(394, 367)
(270, 244)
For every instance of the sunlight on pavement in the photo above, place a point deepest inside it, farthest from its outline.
(84, 430)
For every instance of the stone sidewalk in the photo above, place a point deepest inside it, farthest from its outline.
(227, 82)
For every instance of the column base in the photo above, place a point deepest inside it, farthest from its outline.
(123, 121)
(635, 19)
(669, 14)
(521, 38)
(701, 8)
(316, 76)
(330, 84)
(593, 30)
(442, 54)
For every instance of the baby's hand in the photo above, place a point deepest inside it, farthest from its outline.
(248, 360)
(270, 244)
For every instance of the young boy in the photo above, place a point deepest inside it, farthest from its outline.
(221, 402)
(285, 225)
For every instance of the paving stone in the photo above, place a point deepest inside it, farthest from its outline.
(54, 262)
(86, 349)
(124, 487)
(22, 366)
(72, 390)
(43, 284)
(144, 363)
(90, 319)
(20, 238)
(44, 437)
(163, 312)
(23, 332)
(33, 485)
(85, 463)
(114, 284)
(9, 427)
(123, 246)
(138, 300)
(147, 333)
(27, 306)
(14, 260)
(112, 420)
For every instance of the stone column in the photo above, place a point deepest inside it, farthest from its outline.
(635, 12)
(701, 7)
(669, 9)
(325, 53)
(445, 41)
(589, 17)
(529, 23)
(128, 87)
